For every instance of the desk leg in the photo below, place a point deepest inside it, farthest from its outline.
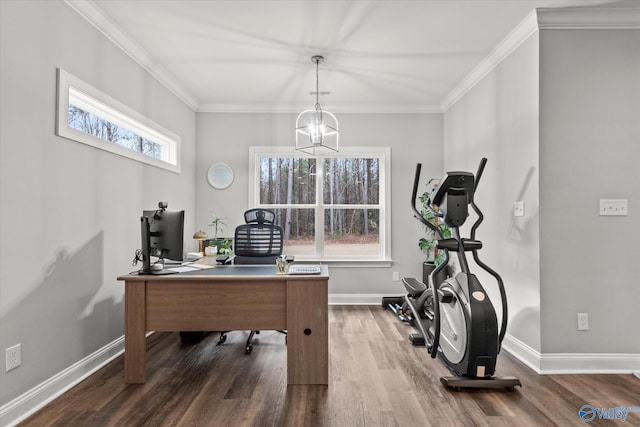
(134, 333)
(307, 332)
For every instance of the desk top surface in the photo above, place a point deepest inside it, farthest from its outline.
(264, 272)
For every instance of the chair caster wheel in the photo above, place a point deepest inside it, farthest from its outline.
(248, 349)
(223, 338)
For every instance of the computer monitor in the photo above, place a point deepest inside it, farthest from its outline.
(162, 233)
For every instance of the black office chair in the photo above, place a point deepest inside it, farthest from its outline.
(259, 241)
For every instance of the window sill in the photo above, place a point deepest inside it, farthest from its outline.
(348, 263)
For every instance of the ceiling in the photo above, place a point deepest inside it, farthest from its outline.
(255, 55)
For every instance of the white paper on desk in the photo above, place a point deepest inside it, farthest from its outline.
(182, 269)
(195, 266)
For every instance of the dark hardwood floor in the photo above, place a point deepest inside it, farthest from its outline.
(376, 378)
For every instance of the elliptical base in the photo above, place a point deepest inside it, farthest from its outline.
(458, 383)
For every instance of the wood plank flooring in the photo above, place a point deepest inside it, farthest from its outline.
(376, 378)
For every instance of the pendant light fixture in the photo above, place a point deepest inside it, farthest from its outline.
(317, 130)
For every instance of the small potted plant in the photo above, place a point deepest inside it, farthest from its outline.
(218, 245)
(427, 243)
(224, 246)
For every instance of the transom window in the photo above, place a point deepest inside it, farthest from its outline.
(87, 115)
(331, 207)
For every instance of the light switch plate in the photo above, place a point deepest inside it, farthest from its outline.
(614, 207)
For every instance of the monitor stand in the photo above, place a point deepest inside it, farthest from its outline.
(163, 272)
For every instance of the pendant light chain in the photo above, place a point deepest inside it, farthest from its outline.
(317, 84)
(317, 130)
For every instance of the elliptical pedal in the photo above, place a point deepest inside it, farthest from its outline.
(417, 339)
(414, 286)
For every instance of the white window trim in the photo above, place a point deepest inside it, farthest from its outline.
(94, 101)
(383, 153)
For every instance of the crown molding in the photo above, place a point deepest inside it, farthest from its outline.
(96, 17)
(296, 109)
(516, 37)
(591, 18)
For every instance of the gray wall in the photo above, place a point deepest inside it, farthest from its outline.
(589, 150)
(69, 212)
(498, 119)
(413, 138)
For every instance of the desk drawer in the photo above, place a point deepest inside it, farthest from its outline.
(197, 306)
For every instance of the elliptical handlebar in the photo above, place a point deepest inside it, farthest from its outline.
(433, 351)
(483, 163)
(416, 181)
(503, 295)
(417, 213)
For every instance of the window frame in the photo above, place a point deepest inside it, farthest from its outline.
(381, 153)
(98, 103)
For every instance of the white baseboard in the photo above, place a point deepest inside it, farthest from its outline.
(358, 299)
(523, 352)
(28, 403)
(571, 363)
(585, 363)
(637, 374)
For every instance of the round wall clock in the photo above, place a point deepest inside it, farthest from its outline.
(220, 176)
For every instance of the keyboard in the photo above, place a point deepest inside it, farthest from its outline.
(304, 269)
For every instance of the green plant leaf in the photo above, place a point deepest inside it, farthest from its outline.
(428, 241)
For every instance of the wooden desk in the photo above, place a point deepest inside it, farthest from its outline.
(232, 298)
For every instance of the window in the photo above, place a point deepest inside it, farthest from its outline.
(88, 115)
(331, 207)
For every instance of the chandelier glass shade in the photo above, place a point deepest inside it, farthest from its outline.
(317, 130)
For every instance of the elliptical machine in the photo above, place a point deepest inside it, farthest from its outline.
(455, 318)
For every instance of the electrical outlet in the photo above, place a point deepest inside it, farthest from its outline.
(583, 321)
(518, 208)
(396, 276)
(12, 357)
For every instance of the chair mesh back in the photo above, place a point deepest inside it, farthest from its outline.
(258, 240)
(259, 216)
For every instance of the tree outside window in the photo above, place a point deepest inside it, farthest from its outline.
(329, 207)
(100, 128)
